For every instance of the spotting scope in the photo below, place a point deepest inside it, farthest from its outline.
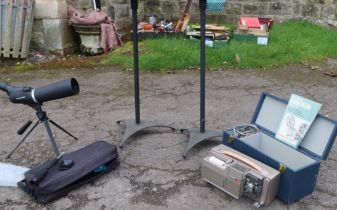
(37, 96)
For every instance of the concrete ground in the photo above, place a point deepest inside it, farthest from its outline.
(153, 174)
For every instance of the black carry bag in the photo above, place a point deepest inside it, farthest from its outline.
(89, 163)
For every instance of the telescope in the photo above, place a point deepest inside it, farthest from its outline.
(29, 96)
(35, 97)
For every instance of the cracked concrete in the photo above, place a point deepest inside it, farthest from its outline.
(153, 174)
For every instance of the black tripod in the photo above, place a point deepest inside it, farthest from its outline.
(42, 116)
(195, 135)
(131, 127)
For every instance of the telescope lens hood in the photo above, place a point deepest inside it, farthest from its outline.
(61, 89)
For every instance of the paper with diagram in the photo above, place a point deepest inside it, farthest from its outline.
(297, 118)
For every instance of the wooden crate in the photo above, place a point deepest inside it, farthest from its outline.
(16, 21)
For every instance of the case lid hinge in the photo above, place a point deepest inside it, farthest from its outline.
(282, 168)
(231, 139)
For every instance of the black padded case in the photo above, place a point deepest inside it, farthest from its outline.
(90, 163)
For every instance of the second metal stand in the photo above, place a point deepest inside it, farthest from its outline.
(42, 116)
(132, 127)
(195, 135)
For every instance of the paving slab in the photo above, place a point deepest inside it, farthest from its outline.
(153, 173)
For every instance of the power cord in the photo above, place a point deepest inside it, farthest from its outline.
(244, 130)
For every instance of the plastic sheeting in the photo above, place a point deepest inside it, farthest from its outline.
(10, 174)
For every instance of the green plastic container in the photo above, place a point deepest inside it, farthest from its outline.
(213, 44)
(246, 37)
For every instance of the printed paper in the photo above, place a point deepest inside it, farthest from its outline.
(297, 119)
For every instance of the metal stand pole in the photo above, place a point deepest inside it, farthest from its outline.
(195, 135)
(129, 126)
(202, 5)
(134, 6)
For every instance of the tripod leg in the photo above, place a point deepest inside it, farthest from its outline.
(62, 129)
(51, 138)
(23, 139)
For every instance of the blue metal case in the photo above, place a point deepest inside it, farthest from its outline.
(299, 166)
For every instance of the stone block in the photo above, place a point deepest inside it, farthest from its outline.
(152, 7)
(50, 9)
(121, 10)
(170, 9)
(194, 11)
(328, 12)
(81, 4)
(123, 23)
(325, 1)
(297, 10)
(233, 8)
(37, 38)
(311, 10)
(259, 9)
(58, 34)
(277, 8)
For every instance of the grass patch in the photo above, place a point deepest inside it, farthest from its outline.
(291, 42)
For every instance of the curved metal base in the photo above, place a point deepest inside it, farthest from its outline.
(195, 137)
(130, 127)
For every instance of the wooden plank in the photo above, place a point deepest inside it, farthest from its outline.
(18, 29)
(212, 28)
(197, 34)
(8, 29)
(28, 28)
(185, 22)
(11, 43)
(207, 33)
(258, 32)
(1, 31)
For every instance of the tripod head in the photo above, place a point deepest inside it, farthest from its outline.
(35, 97)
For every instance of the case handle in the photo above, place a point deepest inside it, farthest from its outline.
(245, 160)
(248, 162)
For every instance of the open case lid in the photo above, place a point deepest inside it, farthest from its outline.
(319, 138)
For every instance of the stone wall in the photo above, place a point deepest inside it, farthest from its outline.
(120, 11)
(323, 10)
(284, 9)
(51, 32)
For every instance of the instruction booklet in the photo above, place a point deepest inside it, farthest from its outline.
(297, 118)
